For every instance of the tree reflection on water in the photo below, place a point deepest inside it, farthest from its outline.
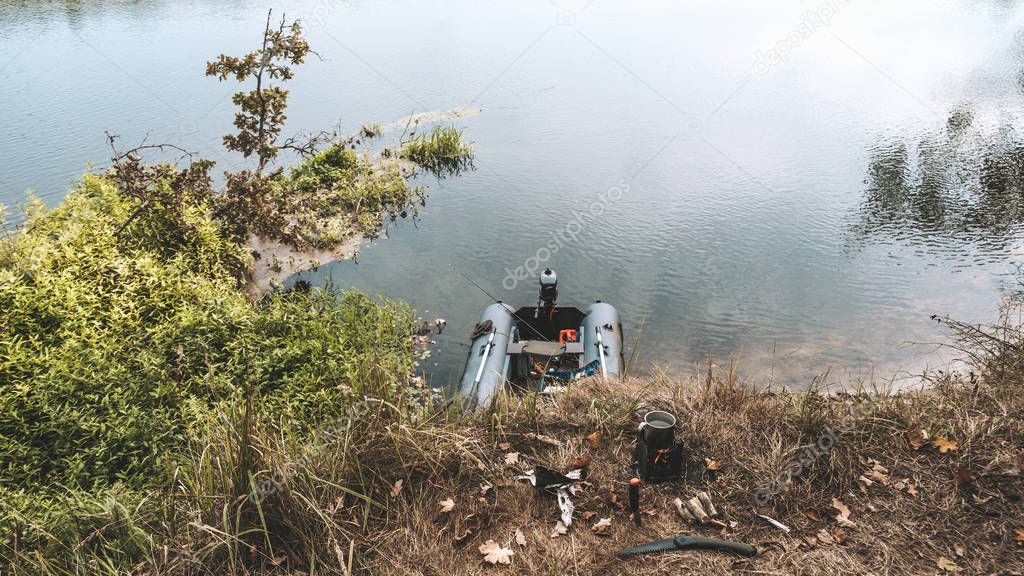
(963, 184)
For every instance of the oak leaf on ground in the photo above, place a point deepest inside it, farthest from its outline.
(878, 473)
(560, 530)
(917, 437)
(843, 513)
(495, 554)
(945, 445)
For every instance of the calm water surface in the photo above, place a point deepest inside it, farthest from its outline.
(797, 187)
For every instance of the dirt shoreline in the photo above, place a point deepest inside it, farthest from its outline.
(275, 261)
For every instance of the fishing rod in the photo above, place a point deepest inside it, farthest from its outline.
(500, 303)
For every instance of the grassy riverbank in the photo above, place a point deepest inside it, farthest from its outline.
(162, 411)
(155, 421)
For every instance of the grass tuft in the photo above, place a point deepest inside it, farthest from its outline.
(440, 151)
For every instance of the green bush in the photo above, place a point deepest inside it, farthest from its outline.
(111, 345)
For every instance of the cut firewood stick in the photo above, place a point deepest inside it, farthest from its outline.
(683, 512)
(693, 505)
(709, 507)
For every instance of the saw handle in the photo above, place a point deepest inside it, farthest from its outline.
(701, 543)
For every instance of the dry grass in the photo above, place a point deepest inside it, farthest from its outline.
(752, 436)
(333, 508)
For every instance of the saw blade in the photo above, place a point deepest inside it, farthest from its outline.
(656, 546)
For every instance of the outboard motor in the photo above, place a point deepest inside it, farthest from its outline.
(548, 292)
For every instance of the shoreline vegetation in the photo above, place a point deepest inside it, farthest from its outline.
(165, 411)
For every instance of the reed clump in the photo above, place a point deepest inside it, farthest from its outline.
(441, 151)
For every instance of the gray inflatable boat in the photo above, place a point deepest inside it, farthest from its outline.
(540, 347)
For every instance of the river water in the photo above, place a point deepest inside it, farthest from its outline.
(790, 188)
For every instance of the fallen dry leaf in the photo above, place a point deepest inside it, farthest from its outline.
(946, 565)
(581, 462)
(813, 515)
(843, 516)
(840, 535)
(962, 477)
(485, 488)
(512, 458)
(495, 554)
(397, 488)
(588, 515)
(1019, 532)
(878, 473)
(602, 527)
(559, 530)
(504, 445)
(616, 501)
(907, 486)
(446, 505)
(959, 550)
(520, 538)
(650, 512)
(864, 482)
(823, 537)
(945, 445)
(711, 464)
(917, 437)
(594, 439)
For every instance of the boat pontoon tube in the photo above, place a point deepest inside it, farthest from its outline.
(601, 333)
(486, 364)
